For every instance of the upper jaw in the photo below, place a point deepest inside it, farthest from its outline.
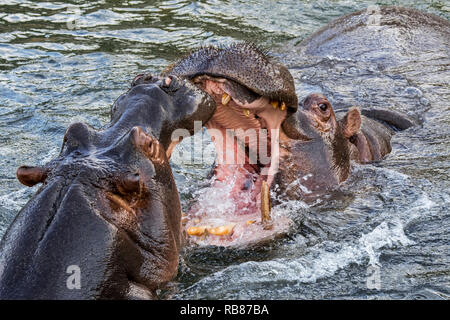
(241, 63)
(272, 111)
(261, 113)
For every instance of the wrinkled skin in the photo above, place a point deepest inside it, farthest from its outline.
(108, 204)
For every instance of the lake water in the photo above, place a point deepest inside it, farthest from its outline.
(385, 234)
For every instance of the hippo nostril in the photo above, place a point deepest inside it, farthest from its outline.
(129, 183)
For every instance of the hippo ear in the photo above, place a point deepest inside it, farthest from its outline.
(351, 123)
(30, 176)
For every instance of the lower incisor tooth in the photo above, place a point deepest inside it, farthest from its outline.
(283, 106)
(222, 230)
(225, 98)
(274, 104)
(265, 206)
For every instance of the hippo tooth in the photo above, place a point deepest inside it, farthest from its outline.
(246, 112)
(222, 230)
(265, 206)
(249, 222)
(225, 98)
(274, 104)
(283, 106)
(184, 218)
(197, 231)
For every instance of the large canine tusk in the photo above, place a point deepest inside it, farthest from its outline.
(265, 206)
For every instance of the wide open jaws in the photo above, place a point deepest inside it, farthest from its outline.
(246, 130)
(252, 92)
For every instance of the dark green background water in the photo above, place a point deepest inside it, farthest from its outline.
(66, 62)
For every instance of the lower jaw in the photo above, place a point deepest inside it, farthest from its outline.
(233, 219)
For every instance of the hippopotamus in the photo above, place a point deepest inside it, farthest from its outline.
(309, 147)
(311, 168)
(105, 224)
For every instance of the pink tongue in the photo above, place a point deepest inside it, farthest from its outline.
(245, 186)
(233, 193)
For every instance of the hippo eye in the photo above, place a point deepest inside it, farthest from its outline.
(323, 106)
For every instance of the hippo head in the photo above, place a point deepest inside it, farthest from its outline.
(322, 161)
(108, 206)
(254, 95)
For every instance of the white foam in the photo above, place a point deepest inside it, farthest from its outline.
(318, 263)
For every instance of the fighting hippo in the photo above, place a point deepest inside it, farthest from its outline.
(302, 151)
(105, 223)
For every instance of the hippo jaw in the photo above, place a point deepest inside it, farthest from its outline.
(251, 93)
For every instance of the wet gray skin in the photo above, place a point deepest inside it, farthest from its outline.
(108, 204)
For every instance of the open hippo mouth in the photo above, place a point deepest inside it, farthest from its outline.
(254, 96)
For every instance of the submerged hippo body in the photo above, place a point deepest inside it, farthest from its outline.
(108, 210)
(387, 60)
